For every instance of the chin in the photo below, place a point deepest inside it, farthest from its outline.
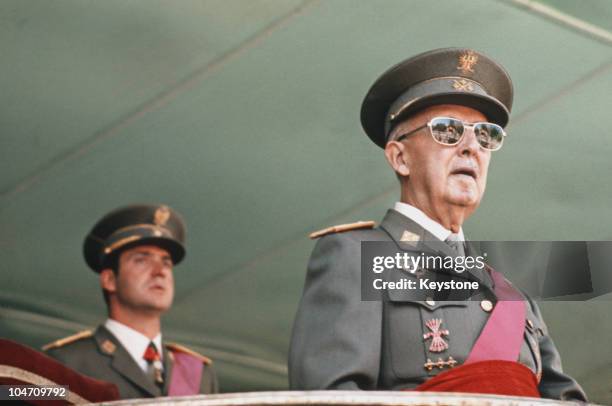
(465, 198)
(165, 306)
(160, 305)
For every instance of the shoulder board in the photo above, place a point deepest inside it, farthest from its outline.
(174, 347)
(68, 340)
(342, 228)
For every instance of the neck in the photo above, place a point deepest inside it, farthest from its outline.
(448, 216)
(146, 324)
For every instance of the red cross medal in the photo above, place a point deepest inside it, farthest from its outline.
(437, 342)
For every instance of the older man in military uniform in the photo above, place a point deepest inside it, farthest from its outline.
(438, 116)
(134, 250)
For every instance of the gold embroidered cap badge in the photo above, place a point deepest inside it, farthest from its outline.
(467, 61)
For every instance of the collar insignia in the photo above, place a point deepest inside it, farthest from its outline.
(108, 347)
(409, 236)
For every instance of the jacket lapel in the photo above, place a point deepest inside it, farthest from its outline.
(410, 236)
(123, 363)
(482, 275)
(168, 363)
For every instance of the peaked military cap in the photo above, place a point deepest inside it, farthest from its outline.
(442, 76)
(127, 227)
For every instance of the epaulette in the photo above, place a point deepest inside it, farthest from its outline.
(342, 228)
(174, 347)
(67, 340)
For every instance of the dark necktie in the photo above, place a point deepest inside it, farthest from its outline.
(456, 244)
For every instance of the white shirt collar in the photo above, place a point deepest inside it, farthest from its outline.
(416, 215)
(135, 343)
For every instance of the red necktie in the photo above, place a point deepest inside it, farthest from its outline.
(153, 359)
(151, 355)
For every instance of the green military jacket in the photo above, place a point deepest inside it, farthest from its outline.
(100, 355)
(342, 342)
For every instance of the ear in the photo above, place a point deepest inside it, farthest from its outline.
(108, 280)
(397, 157)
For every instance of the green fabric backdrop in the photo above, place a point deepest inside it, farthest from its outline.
(243, 115)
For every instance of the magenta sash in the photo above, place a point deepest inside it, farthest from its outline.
(502, 335)
(186, 375)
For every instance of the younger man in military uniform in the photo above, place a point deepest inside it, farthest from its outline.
(438, 116)
(134, 249)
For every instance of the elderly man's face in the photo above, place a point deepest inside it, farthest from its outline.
(439, 174)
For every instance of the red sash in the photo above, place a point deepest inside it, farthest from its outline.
(502, 336)
(492, 366)
(495, 377)
(186, 375)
